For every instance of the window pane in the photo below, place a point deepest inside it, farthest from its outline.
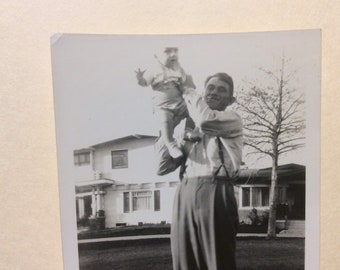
(245, 196)
(281, 194)
(157, 201)
(141, 200)
(87, 158)
(119, 159)
(265, 196)
(82, 158)
(256, 196)
(126, 202)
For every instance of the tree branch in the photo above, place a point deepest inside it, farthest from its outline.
(259, 150)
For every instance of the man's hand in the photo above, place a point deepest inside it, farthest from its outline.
(192, 136)
(189, 83)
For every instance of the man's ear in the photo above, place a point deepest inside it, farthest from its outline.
(232, 100)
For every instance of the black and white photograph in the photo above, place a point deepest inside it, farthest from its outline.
(189, 152)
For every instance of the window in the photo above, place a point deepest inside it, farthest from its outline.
(119, 159)
(255, 196)
(126, 202)
(157, 201)
(82, 158)
(246, 196)
(141, 200)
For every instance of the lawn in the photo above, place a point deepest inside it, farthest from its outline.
(280, 254)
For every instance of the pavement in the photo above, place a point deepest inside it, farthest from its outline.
(160, 236)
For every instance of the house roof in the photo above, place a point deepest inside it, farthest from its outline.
(99, 182)
(287, 173)
(123, 139)
(283, 170)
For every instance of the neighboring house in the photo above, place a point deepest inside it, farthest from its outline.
(252, 191)
(118, 179)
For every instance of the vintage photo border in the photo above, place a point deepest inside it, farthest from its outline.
(65, 162)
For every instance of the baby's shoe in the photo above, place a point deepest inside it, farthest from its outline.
(192, 136)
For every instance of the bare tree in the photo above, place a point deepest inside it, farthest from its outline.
(274, 122)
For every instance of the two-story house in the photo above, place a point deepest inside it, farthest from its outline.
(119, 177)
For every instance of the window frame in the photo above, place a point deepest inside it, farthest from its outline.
(148, 195)
(77, 158)
(281, 193)
(128, 201)
(157, 200)
(251, 203)
(122, 154)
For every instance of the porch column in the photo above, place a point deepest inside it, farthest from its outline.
(99, 201)
(81, 207)
(94, 203)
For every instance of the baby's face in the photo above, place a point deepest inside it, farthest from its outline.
(169, 57)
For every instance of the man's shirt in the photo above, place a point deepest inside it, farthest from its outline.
(202, 156)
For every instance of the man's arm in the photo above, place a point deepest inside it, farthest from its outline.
(215, 123)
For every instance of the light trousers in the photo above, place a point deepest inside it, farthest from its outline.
(204, 225)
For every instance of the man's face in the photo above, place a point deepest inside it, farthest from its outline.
(218, 94)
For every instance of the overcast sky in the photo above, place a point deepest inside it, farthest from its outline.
(97, 97)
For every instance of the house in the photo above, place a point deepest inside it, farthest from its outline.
(252, 191)
(118, 179)
(116, 182)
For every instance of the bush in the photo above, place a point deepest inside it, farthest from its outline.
(258, 220)
(83, 222)
(258, 223)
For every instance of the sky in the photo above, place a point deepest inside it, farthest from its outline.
(97, 97)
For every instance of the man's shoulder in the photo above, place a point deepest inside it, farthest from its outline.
(232, 112)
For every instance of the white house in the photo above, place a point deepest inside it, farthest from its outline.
(117, 179)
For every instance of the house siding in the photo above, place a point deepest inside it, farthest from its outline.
(114, 207)
(141, 162)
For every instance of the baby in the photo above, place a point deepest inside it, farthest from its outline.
(169, 106)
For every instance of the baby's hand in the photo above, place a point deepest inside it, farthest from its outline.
(139, 73)
(140, 77)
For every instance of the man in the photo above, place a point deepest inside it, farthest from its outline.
(205, 217)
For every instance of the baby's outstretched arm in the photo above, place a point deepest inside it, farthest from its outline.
(140, 77)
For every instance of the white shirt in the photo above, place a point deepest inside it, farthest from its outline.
(202, 156)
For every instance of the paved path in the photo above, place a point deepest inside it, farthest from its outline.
(158, 236)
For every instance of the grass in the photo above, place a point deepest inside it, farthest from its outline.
(155, 254)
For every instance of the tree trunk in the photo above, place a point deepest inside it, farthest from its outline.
(271, 233)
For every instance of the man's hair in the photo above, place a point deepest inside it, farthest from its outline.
(223, 77)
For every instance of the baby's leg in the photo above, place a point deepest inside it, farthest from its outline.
(190, 134)
(189, 123)
(166, 119)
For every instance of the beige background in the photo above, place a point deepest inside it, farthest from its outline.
(30, 229)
